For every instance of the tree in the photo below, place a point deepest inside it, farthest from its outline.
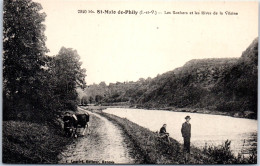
(102, 84)
(84, 100)
(24, 43)
(23, 55)
(98, 98)
(91, 99)
(68, 75)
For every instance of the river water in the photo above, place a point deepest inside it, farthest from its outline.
(206, 129)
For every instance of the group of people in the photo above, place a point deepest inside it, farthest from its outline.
(185, 131)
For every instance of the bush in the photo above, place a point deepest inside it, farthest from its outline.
(220, 155)
(223, 155)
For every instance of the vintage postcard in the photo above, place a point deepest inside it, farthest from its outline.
(130, 82)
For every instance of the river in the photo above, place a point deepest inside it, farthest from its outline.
(206, 128)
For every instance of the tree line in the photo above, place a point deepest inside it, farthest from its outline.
(36, 86)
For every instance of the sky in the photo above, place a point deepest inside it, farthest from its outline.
(126, 47)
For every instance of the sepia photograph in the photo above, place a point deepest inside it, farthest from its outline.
(129, 82)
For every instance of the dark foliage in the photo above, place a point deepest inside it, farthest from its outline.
(223, 155)
(36, 87)
(23, 57)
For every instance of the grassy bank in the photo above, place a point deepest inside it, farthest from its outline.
(153, 150)
(26, 142)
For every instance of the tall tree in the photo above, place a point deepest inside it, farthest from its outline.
(24, 49)
(69, 75)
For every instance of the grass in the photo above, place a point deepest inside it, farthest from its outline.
(26, 142)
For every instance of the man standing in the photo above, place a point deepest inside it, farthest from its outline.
(186, 134)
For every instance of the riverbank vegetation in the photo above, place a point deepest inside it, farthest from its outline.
(151, 149)
(37, 88)
(223, 155)
(31, 143)
(225, 86)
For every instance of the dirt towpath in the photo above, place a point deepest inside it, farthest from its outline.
(103, 143)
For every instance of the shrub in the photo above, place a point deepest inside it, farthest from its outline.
(223, 155)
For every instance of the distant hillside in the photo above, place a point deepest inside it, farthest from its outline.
(227, 85)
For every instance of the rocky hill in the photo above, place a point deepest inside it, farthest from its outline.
(228, 85)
